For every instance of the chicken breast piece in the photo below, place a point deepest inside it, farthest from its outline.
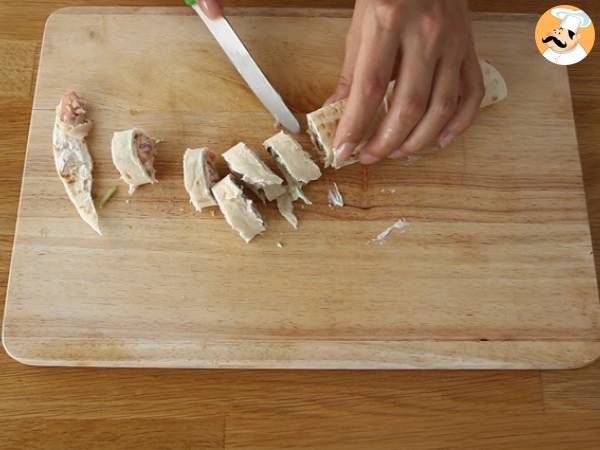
(133, 154)
(199, 176)
(239, 211)
(71, 156)
(298, 169)
(297, 166)
(246, 164)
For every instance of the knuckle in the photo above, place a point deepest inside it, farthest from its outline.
(411, 109)
(431, 27)
(387, 14)
(445, 107)
(436, 30)
(433, 20)
(373, 86)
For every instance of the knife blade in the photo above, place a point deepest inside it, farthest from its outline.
(247, 68)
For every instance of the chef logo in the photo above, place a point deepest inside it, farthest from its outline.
(565, 35)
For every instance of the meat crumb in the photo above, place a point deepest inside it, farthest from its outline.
(335, 197)
(401, 225)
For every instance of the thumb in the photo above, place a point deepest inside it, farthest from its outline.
(212, 8)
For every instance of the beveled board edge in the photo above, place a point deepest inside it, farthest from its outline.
(306, 354)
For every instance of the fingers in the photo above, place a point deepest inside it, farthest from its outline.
(212, 8)
(442, 106)
(372, 74)
(469, 104)
(345, 82)
(352, 47)
(408, 105)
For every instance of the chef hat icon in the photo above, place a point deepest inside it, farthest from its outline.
(572, 20)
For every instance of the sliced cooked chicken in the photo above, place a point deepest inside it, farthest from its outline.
(133, 154)
(239, 211)
(297, 166)
(246, 164)
(71, 156)
(200, 175)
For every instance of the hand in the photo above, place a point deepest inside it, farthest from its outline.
(212, 8)
(427, 46)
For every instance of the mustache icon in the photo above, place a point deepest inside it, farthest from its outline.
(555, 40)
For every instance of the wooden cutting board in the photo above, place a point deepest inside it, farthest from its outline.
(494, 271)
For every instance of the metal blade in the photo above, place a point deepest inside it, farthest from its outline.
(249, 70)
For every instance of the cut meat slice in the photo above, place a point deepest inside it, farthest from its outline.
(133, 154)
(246, 164)
(292, 159)
(239, 211)
(298, 169)
(296, 165)
(199, 176)
(322, 125)
(71, 156)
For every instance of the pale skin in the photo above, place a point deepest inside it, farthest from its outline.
(427, 47)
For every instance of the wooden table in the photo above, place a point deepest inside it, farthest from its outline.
(47, 408)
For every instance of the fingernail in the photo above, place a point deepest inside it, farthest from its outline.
(205, 6)
(367, 158)
(344, 151)
(209, 8)
(396, 154)
(446, 139)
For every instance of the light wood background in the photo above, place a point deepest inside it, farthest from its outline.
(155, 409)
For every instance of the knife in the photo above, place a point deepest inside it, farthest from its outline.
(248, 69)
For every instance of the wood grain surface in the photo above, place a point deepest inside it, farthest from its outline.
(495, 270)
(43, 408)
